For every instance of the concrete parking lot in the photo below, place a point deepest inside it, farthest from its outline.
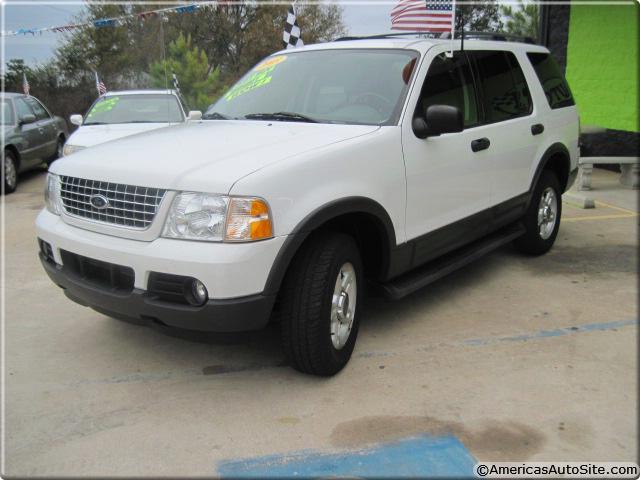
(511, 359)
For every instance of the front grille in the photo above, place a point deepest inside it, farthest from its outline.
(127, 205)
(99, 273)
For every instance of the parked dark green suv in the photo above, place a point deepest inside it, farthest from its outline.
(31, 136)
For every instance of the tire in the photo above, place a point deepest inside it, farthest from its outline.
(541, 230)
(9, 171)
(59, 148)
(310, 307)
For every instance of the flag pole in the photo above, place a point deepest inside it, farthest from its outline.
(461, 30)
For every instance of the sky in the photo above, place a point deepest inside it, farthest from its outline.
(359, 20)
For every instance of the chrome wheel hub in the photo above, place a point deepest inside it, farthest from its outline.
(10, 174)
(343, 305)
(547, 213)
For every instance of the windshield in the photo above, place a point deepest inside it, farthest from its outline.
(7, 113)
(356, 86)
(136, 108)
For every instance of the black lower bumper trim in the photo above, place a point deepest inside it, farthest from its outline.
(228, 315)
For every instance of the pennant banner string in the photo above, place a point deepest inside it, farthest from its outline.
(107, 22)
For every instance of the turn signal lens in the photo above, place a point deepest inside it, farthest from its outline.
(248, 219)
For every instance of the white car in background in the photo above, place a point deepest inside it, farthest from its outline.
(120, 114)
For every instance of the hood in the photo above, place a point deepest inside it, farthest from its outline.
(211, 155)
(90, 135)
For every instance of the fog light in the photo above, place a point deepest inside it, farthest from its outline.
(199, 292)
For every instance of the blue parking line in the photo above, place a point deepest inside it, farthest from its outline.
(559, 332)
(423, 456)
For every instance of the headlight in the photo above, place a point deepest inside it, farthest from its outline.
(217, 218)
(52, 194)
(69, 149)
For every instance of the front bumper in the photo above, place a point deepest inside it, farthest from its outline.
(227, 315)
(234, 275)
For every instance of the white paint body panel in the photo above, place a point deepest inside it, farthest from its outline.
(92, 135)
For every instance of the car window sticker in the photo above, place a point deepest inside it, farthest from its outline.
(260, 76)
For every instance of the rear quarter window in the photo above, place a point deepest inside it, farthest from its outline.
(555, 86)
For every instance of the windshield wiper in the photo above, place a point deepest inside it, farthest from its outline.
(280, 116)
(95, 123)
(215, 116)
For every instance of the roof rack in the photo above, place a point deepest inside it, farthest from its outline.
(393, 35)
(496, 36)
(499, 36)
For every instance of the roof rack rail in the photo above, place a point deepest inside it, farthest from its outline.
(499, 36)
(393, 35)
(496, 36)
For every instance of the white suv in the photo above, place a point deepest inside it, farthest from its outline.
(383, 161)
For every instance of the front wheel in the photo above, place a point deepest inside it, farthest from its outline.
(320, 304)
(542, 219)
(59, 151)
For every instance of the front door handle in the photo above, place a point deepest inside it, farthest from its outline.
(537, 129)
(480, 144)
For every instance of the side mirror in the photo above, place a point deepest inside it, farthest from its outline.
(28, 118)
(76, 119)
(195, 115)
(439, 119)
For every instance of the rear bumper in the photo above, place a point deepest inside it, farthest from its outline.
(222, 315)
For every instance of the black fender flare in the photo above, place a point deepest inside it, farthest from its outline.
(554, 149)
(315, 220)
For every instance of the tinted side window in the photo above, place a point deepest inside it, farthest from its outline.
(40, 111)
(22, 108)
(449, 82)
(505, 91)
(553, 82)
(523, 95)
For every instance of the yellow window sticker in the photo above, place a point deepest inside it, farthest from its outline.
(260, 76)
(270, 62)
(104, 106)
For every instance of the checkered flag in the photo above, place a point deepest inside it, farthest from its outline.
(291, 35)
(176, 85)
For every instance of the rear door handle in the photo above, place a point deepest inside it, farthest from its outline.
(480, 144)
(537, 129)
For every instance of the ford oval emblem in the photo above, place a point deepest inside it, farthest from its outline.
(99, 202)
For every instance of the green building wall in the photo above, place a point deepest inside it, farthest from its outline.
(602, 64)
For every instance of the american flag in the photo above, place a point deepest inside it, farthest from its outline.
(423, 15)
(100, 85)
(25, 84)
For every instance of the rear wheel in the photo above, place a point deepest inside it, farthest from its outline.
(9, 171)
(320, 304)
(542, 220)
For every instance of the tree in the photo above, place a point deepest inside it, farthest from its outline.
(525, 20)
(198, 83)
(236, 36)
(13, 74)
(482, 16)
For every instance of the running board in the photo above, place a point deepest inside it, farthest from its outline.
(440, 267)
